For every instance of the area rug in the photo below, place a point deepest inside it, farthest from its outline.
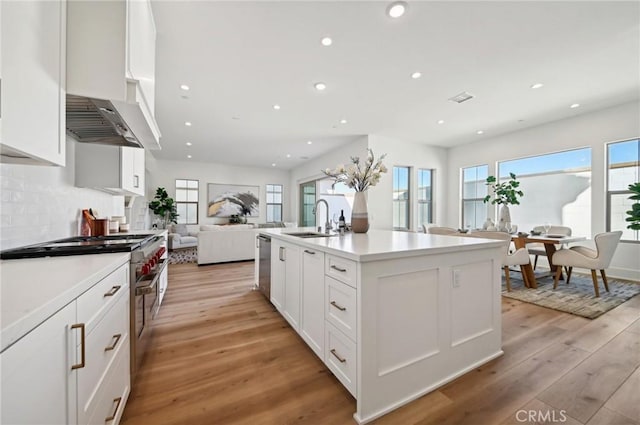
(576, 298)
(184, 255)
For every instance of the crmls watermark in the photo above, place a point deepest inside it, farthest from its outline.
(541, 416)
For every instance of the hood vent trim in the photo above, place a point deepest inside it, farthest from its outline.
(90, 120)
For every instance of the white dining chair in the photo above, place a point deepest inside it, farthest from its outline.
(518, 258)
(439, 230)
(587, 258)
(537, 248)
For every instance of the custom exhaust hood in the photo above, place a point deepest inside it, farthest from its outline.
(110, 73)
(110, 122)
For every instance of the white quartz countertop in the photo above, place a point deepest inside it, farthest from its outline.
(382, 244)
(33, 289)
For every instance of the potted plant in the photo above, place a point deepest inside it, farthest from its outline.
(504, 194)
(164, 207)
(634, 212)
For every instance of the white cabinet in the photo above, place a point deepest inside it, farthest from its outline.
(111, 56)
(340, 306)
(73, 367)
(312, 311)
(33, 42)
(292, 286)
(118, 170)
(38, 384)
(278, 273)
(285, 281)
(104, 311)
(163, 284)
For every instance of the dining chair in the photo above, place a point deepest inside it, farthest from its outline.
(438, 230)
(586, 258)
(537, 249)
(518, 258)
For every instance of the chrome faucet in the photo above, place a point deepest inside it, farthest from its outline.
(327, 224)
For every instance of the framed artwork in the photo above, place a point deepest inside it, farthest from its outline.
(225, 200)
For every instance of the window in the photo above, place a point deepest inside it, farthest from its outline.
(187, 201)
(308, 201)
(623, 169)
(425, 196)
(557, 189)
(401, 198)
(274, 203)
(474, 189)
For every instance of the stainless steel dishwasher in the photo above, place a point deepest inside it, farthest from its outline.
(264, 266)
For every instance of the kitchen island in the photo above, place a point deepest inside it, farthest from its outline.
(394, 315)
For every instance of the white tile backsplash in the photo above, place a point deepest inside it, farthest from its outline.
(41, 203)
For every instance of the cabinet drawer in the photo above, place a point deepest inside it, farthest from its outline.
(103, 346)
(341, 269)
(340, 357)
(340, 306)
(94, 303)
(111, 397)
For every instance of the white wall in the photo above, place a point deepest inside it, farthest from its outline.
(164, 173)
(587, 130)
(311, 170)
(41, 203)
(417, 156)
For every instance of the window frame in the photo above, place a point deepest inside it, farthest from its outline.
(610, 193)
(268, 204)
(429, 200)
(197, 190)
(463, 199)
(407, 200)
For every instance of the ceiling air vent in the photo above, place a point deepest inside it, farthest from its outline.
(462, 97)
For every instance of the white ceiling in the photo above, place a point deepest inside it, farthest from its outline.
(240, 58)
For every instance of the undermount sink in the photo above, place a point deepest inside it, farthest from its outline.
(308, 235)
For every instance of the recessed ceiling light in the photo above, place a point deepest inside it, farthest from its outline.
(575, 105)
(187, 123)
(397, 9)
(343, 121)
(440, 121)
(288, 155)
(326, 41)
(309, 142)
(276, 107)
(273, 164)
(235, 118)
(320, 86)
(189, 156)
(188, 143)
(479, 132)
(537, 85)
(184, 87)
(416, 75)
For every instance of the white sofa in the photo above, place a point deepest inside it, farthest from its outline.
(218, 244)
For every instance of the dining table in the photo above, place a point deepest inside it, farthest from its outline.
(550, 242)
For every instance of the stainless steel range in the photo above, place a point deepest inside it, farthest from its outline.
(146, 267)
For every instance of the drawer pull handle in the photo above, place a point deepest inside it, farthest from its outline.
(112, 346)
(309, 252)
(338, 268)
(113, 416)
(82, 348)
(333, 351)
(335, 304)
(112, 291)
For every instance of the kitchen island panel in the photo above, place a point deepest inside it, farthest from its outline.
(416, 340)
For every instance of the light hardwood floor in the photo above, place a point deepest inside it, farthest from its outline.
(221, 354)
